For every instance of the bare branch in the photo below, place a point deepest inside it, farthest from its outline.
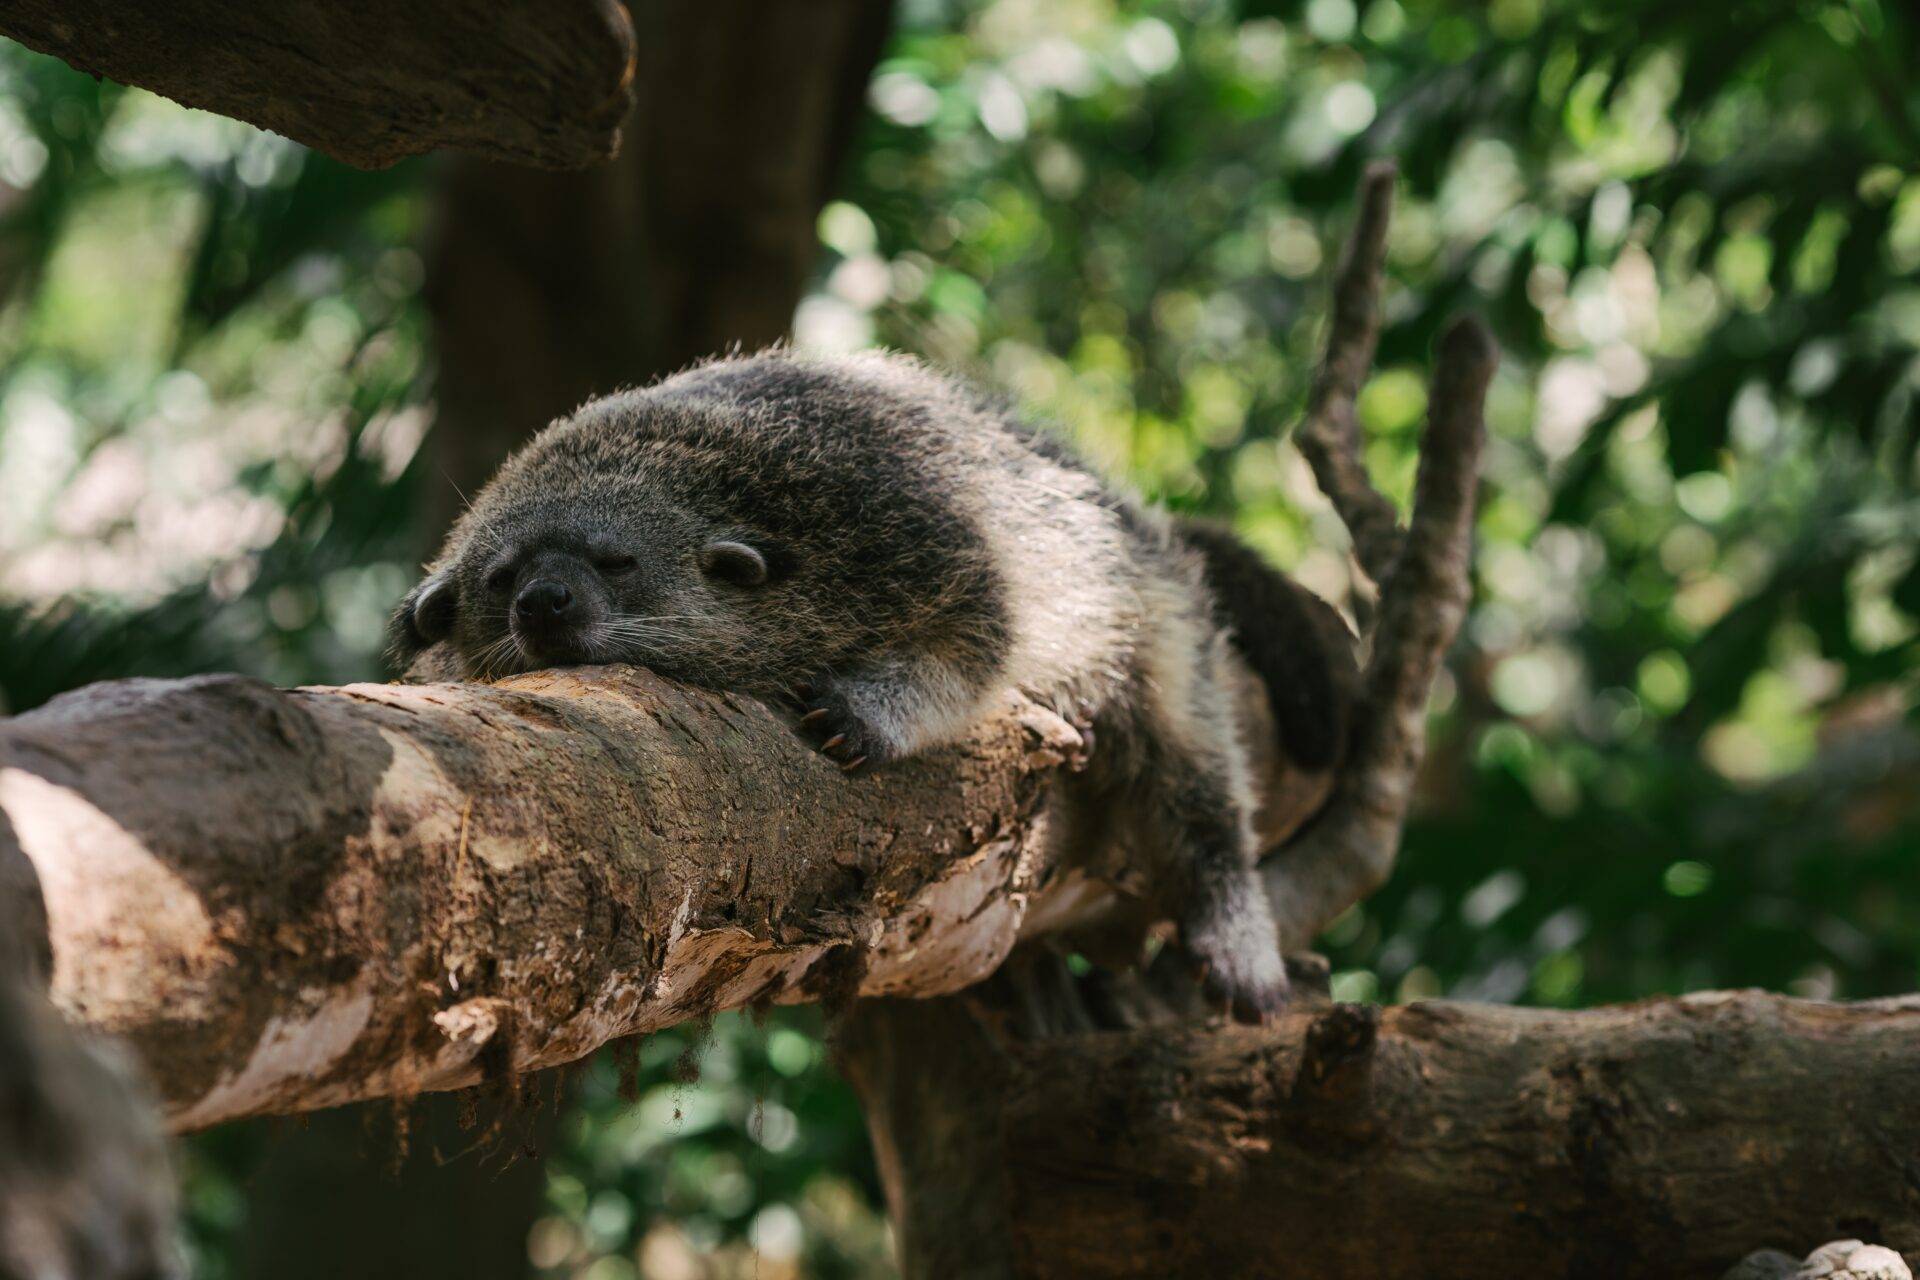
(1329, 435)
(1434, 1141)
(1350, 849)
(288, 899)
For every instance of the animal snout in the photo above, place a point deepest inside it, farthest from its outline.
(546, 605)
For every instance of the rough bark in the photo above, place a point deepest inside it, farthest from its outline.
(290, 899)
(364, 81)
(1431, 1141)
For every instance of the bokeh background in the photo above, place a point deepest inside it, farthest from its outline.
(1676, 744)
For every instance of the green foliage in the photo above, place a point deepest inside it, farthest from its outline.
(212, 393)
(1675, 746)
(730, 1147)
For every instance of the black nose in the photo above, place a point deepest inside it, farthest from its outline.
(545, 605)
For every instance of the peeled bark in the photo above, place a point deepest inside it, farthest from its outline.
(1431, 1141)
(290, 899)
(364, 81)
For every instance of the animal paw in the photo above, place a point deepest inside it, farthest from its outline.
(838, 732)
(1239, 971)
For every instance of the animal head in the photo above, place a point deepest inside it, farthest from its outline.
(605, 541)
(747, 525)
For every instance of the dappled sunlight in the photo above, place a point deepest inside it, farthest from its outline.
(1674, 747)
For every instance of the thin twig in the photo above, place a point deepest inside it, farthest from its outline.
(1329, 436)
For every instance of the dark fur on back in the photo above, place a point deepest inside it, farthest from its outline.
(1295, 641)
(1292, 638)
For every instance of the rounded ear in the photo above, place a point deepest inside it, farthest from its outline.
(734, 562)
(426, 616)
(435, 606)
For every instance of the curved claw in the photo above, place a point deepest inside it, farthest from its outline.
(1249, 1005)
(837, 732)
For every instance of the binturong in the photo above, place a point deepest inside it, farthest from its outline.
(891, 553)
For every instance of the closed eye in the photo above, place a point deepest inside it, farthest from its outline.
(616, 564)
(500, 581)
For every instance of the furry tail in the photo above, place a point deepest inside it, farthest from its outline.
(1296, 642)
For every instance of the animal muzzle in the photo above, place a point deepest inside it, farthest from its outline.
(552, 621)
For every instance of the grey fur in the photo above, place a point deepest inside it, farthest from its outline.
(919, 554)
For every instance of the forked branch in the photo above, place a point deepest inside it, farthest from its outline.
(1329, 435)
(1424, 577)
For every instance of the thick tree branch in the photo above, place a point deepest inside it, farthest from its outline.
(365, 81)
(1431, 1141)
(289, 899)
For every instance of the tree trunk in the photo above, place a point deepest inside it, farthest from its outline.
(549, 288)
(1427, 1142)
